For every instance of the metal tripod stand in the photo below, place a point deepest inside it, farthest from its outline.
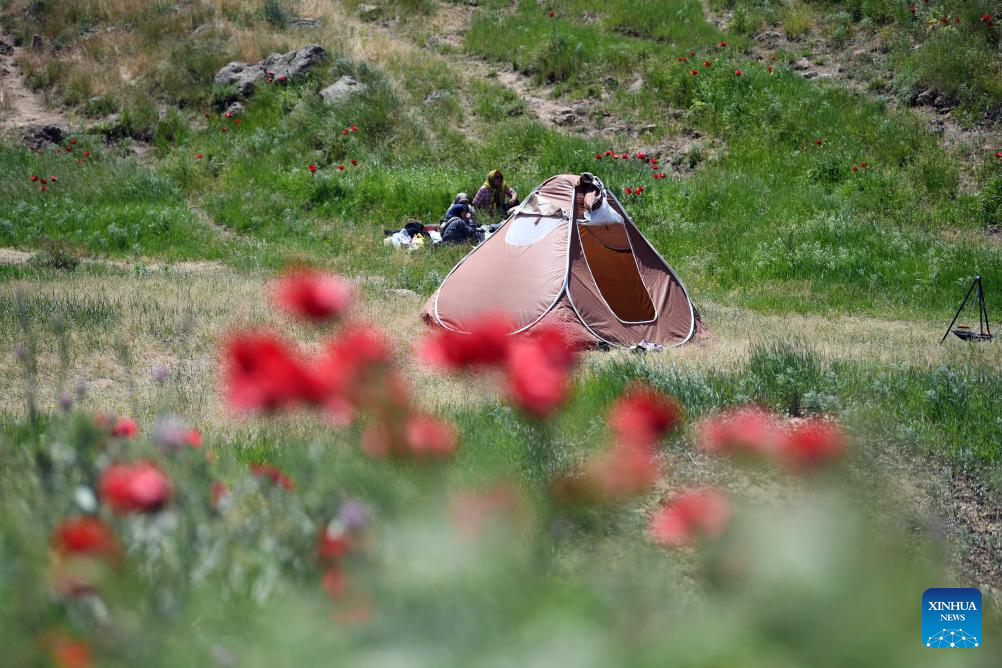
(984, 332)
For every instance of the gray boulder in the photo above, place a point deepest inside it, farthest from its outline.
(294, 63)
(245, 76)
(235, 109)
(342, 89)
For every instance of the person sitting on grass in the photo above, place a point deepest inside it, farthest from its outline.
(460, 208)
(495, 196)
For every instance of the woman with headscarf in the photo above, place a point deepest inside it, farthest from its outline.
(495, 194)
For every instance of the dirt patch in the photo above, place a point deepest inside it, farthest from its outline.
(20, 107)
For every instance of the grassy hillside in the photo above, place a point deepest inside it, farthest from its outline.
(824, 226)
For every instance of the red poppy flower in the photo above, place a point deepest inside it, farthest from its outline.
(770, 68)
(353, 372)
(663, 175)
(707, 63)
(85, 536)
(199, 156)
(139, 487)
(817, 142)
(69, 149)
(340, 168)
(427, 436)
(598, 156)
(34, 179)
(73, 141)
(625, 156)
(333, 542)
(354, 163)
(485, 344)
(236, 121)
(345, 131)
(335, 583)
(693, 72)
(281, 78)
(615, 156)
(193, 437)
(228, 115)
(44, 181)
(223, 130)
(639, 190)
(556, 344)
(691, 515)
(354, 128)
(628, 190)
(723, 44)
(682, 59)
(535, 384)
(218, 494)
(811, 444)
(274, 474)
(43, 189)
(261, 372)
(641, 155)
(68, 653)
(998, 155)
(855, 168)
(608, 153)
(742, 431)
(738, 72)
(863, 165)
(692, 53)
(643, 416)
(86, 154)
(125, 428)
(312, 168)
(552, 14)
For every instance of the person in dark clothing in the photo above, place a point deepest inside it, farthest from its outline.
(460, 222)
(461, 208)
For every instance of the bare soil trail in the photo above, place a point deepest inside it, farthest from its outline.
(20, 107)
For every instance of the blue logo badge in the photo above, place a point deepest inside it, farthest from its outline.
(951, 618)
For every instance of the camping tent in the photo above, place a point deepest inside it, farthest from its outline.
(569, 255)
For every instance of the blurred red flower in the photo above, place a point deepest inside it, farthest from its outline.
(312, 295)
(998, 155)
(125, 428)
(748, 430)
(810, 444)
(427, 436)
(44, 181)
(193, 437)
(35, 178)
(228, 115)
(723, 44)
(855, 168)
(625, 156)
(552, 14)
(817, 142)
(354, 128)
(535, 383)
(639, 190)
(354, 372)
(335, 583)
(770, 68)
(691, 515)
(608, 153)
(262, 372)
(332, 544)
(485, 344)
(693, 72)
(598, 156)
(85, 536)
(218, 493)
(354, 163)
(738, 72)
(140, 487)
(68, 653)
(199, 156)
(628, 190)
(281, 78)
(863, 165)
(345, 131)
(340, 168)
(641, 155)
(274, 474)
(43, 189)
(86, 154)
(312, 168)
(707, 63)
(643, 415)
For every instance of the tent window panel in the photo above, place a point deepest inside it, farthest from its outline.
(610, 258)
